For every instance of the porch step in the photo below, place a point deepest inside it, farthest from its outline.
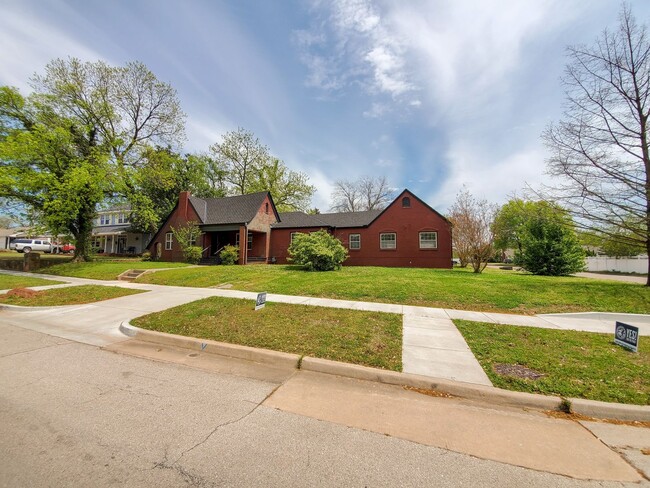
(212, 261)
(131, 274)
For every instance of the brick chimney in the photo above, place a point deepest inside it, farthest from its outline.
(183, 203)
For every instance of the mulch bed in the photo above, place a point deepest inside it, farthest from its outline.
(518, 371)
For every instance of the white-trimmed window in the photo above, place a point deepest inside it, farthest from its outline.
(388, 240)
(293, 235)
(168, 241)
(237, 239)
(354, 241)
(105, 219)
(250, 241)
(428, 240)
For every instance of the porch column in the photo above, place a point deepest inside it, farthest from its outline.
(267, 249)
(243, 245)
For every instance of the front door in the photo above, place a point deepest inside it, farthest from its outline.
(121, 244)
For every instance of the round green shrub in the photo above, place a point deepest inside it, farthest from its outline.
(192, 254)
(318, 251)
(229, 255)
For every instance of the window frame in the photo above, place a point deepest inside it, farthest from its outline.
(293, 234)
(350, 246)
(169, 241)
(249, 241)
(406, 202)
(435, 241)
(382, 241)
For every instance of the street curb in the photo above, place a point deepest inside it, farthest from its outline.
(266, 356)
(460, 389)
(20, 308)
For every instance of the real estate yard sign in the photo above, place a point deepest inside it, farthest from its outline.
(627, 336)
(261, 301)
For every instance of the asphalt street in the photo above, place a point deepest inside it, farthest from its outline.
(73, 414)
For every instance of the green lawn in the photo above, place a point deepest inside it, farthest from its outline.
(493, 290)
(105, 269)
(367, 338)
(73, 295)
(8, 282)
(574, 364)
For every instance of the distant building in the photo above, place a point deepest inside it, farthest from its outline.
(112, 233)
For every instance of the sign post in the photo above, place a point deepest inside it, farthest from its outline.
(261, 301)
(627, 336)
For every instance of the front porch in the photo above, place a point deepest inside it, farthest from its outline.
(216, 237)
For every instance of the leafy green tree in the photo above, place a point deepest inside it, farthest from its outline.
(158, 180)
(79, 137)
(244, 165)
(542, 235)
(187, 235)
(318, 251)
(510, 222)
(53, 164)
(550, 247)
(290, 189)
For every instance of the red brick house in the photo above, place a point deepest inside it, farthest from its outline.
(223, 221)
(407, 233)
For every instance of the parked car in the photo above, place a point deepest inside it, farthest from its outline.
(29, 245)
(63, 248)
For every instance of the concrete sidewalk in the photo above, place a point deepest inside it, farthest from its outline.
(432, 345)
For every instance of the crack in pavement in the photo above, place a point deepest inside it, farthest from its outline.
(230, 422)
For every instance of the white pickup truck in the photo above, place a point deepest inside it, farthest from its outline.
(29, 245)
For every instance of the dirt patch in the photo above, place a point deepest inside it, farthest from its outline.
(517, 370)
(22, 293)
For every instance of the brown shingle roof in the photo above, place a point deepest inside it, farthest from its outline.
(239, 209)
(343, 219)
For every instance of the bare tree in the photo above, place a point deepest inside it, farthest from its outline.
(366, 193)
(472, 235)
(599, 150)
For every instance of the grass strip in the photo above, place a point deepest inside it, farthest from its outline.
(574, 364)
(492, 291)
(352, 336)
(8, 282)
(105, 269)
(73, 295)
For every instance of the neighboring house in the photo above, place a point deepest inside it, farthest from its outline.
(7, 236)
(112, 233)
(229, 220)
(407, 233)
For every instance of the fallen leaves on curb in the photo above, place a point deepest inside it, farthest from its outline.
(431, 393)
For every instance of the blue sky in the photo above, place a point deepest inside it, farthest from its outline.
(432, 94)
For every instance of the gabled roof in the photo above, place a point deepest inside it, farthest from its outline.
(298, 219)
(290, 220)
(238, 209)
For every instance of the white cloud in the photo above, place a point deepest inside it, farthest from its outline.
(29, 44)
(356, 49)
(494, 180)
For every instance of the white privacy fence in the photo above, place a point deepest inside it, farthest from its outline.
(636, 264)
